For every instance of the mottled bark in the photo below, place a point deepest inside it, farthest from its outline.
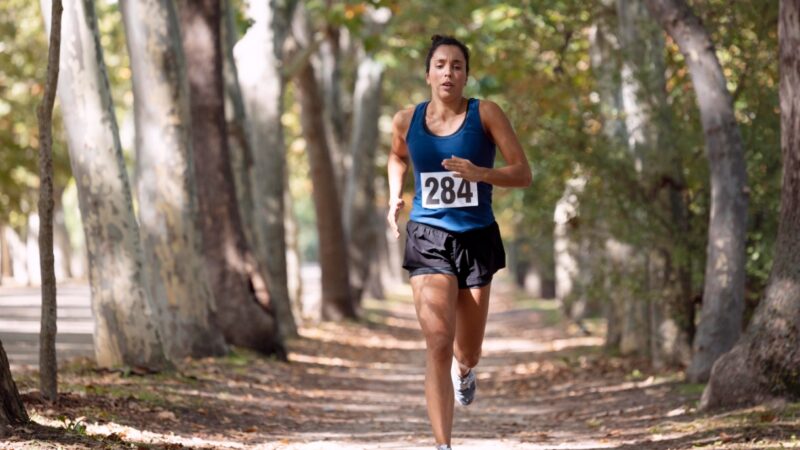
(359, 199)
(48, 366)
(258, 58)
(723, 293)
(126, 318)
(766, 360)
(12, 410)
(165, 180)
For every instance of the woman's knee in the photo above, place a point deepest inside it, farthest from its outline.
(469, 359)
(440, 345)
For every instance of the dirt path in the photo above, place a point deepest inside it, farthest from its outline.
(360, 386)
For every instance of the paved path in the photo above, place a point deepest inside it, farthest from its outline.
(20, 313)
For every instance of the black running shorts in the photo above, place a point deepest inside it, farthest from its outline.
(472, 256)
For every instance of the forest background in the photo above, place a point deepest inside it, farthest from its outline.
(615, 225)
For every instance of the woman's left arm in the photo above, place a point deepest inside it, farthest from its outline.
(516, 172)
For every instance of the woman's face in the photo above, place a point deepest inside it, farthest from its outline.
(447, 74)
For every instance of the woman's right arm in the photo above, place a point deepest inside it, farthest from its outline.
(397, 167)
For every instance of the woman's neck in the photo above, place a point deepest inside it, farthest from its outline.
(446, 108)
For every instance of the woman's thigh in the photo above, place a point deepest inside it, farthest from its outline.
(435, 297)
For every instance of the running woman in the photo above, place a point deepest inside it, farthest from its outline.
(453, 245)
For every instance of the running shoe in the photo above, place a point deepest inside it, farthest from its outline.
(464, 387)
(444, 447)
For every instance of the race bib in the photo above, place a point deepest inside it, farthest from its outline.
(444, 190)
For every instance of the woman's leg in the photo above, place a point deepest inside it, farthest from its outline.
(472, 310)
(435, 298)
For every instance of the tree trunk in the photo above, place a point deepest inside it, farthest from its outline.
(236, 281)
(766, 361)
(125, 315)
(647, 123)
(603, 50)
(165, 185)
(48, 367)
(723, 294)
(359, 199)
(238, 128)
(330, 77)
(12, 410)
(337, 301)
(294, 261)
(63, 256)
(258, 57)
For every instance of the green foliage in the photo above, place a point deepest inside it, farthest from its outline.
(529, 56)
(23, 60)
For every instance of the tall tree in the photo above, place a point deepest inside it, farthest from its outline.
(165, 184)
(238, 128)
(723, 294)
(258, 57)
(648, 127)
(766, 360)
(12, 410)
(359, 198)
(337, 300)
(236, 280)
(604, 56)
(126, 317)
(329, 73)
(48, 366)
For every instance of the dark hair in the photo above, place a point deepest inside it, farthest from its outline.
(437, 40)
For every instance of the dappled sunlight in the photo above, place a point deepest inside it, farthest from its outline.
(506, 345)
(356, 385)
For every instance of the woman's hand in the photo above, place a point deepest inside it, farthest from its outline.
(463, 168)
(395, 206)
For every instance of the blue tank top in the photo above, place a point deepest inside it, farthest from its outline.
(441, 200)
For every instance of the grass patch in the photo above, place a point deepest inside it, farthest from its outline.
(691, 389)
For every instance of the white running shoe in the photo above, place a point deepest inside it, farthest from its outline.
(464, 387)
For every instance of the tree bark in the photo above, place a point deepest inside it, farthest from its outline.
(723, 294)
(238, 128)
(766, 360)
(165, 185)
(359, 199)
(126, 317)
(12, 410)
(337, 300)
(48, 366)
(258, 57)
(236, 280)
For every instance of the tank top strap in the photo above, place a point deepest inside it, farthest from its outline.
(473, 115)
(417, 119)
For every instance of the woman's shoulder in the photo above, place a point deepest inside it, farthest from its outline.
(402, 118)
(488, 106)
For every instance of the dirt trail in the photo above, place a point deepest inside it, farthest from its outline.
(360, 386)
